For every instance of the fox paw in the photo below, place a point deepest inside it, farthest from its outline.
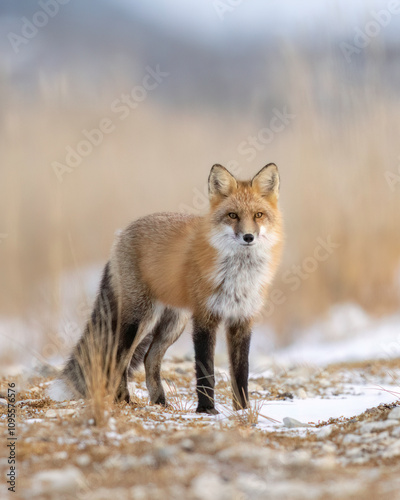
(207, 409)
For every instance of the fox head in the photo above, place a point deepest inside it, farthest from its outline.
(244, 213)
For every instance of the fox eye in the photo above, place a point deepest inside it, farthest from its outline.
(232, 215)
(259, 215)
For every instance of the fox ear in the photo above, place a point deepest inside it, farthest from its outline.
(221, 183)
(267, 181)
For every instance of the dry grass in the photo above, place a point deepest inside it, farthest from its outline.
(157, 444)
(332, 164)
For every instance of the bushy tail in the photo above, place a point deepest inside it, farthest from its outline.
(97, 366)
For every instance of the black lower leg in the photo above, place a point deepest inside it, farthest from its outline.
(204, 345)
(238, 336)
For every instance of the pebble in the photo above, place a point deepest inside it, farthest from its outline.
(112, 424)
(59, 413)
(352, 439)
(213, 486)
(3, 402)
(395, 413)
(122, 462)
(301, 394)
(381, 425)
(130, 435)
(187, 445)
(252, 486)
(28, 401)
(298, 458)
(329, 448)
(62, 481)
(165, 454)
(392, 451)
(291, 423)
(326, 463)
(396, 432)
(83, 460)
(325, 432)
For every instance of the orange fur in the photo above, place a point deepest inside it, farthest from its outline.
(173, 253)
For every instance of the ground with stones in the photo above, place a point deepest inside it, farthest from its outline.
(141, 451)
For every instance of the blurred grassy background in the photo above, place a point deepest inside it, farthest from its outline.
(332, 156)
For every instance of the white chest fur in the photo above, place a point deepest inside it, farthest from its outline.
(240, 276)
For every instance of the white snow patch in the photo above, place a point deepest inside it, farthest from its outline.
(314, 410)
(59, 391)
(380, 340)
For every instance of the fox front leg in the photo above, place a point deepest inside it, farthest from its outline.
(238, 337)
(204, 334)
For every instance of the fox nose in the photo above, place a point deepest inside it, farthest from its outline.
(248, 238)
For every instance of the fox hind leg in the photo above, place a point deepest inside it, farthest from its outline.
(167, 331)
(133, 338)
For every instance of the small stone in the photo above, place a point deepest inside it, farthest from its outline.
(59, 413)
(3, 402)
(129, 462)
(351, 439)
(187, 445)
(83, 460)
(395, 413)
(31, 402)
(112, 424)
(378, 426)
(60, 455)
(392, 451)
(181, 371)
(165, 454)
(291, 423)
(396, 432)
(354, 452)
(67, 481)
(215, 487)
(325, 432)
(301, 394)
(148, 461)
(130, 435)
(326, 463)
(252, 486)
(329, 448)
(113, 462)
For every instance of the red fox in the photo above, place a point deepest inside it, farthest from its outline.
(167, 267)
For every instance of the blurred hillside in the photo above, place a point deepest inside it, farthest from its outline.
(215, 99)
